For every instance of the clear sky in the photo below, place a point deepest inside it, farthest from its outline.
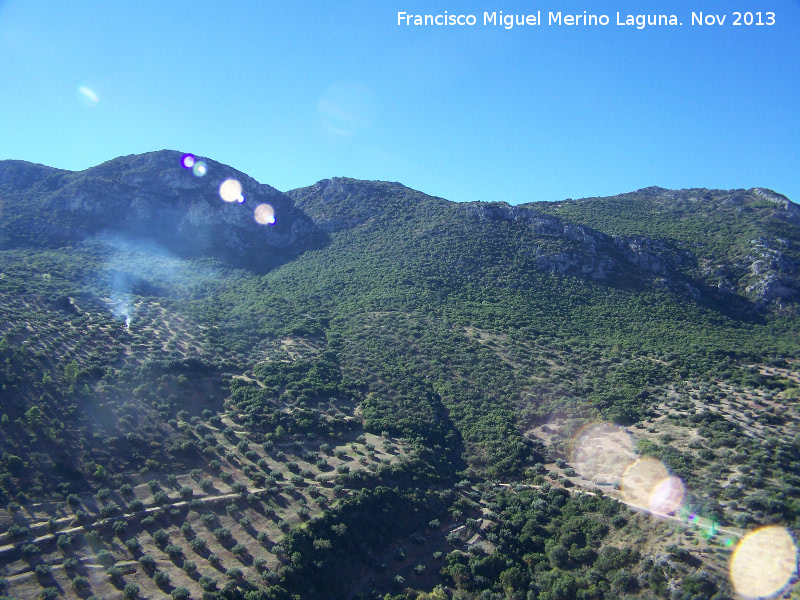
(294, 92)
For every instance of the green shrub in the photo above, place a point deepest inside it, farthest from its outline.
(198, 544)
(147, 562)
(181, 593)
(120, 527)
(161, 579)
(48, 593)
(207, 583)
(132, 544)
(160, 537)
(114, 572)
(17, 530)
(239, 549)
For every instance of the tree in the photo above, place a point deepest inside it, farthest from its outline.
(559, 556)
(42, 570)
(48, 593)
(80, 583)
(105, 557)
(34, 415)
(160, 537)
(132, 544)
(207, 583)
(239, 549)
(181, 593)
(161, 579)
(71, 371)
(198, 544)
(119, 527)
(512, 580)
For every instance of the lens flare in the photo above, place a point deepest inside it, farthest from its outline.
(230, 190)
(187, 161)
(647, 484)
(87, 96)
(199, 168)
(764, 562)
(667, 496)
(264, 214)
(601, 452)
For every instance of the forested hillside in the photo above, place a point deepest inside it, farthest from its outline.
(380, 392)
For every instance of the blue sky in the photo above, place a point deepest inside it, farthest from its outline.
(294, 92)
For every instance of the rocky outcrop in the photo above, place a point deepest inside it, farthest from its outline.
(772, 275)
(653, 256)
(768, 274)
(596, 255)
(779, 199)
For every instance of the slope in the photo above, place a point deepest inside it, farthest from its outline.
(407, 378)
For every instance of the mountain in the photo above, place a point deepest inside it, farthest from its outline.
(384, 392)
(735, 243)
(738, 241)
(149, 196)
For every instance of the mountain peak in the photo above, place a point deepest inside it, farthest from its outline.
(155, 196)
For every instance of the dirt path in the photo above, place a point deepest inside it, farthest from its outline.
(250, 380)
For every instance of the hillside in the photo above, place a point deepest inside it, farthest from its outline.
(385, 392)
(149, 197)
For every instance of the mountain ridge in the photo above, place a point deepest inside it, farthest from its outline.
(752, 263)
(754, 253)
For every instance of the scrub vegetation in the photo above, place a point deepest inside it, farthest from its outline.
(392, 407)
